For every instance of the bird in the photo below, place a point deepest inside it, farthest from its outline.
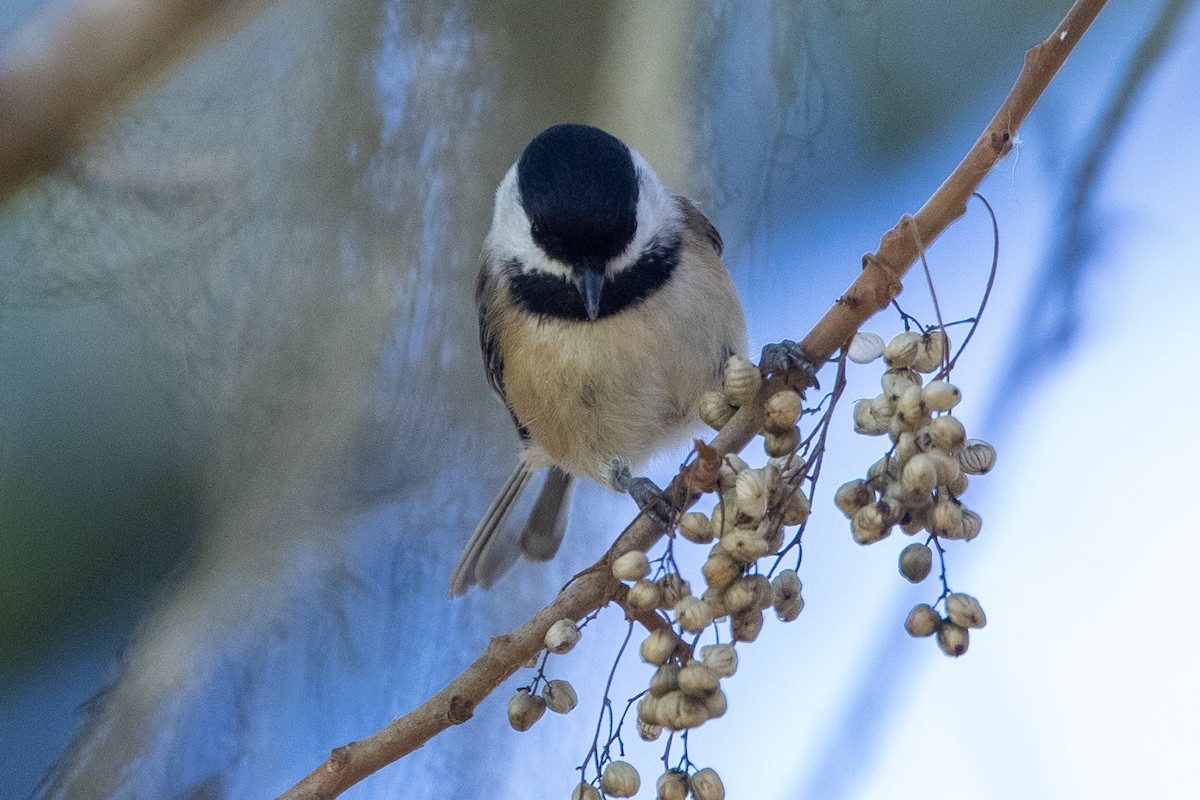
(605, 312)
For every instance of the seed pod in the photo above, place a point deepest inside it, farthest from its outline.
(872, 523)
(720, 658)
(659, 646)
(911, 411)
(902, 350)
(643, 596)
(788, 602)
(720, 570)
(953, 639)
(585, 791)
(715, 410)
(916, 561)
(560, 696)
(883, 472)
(851, 496)
(648, 733)
(665, 680)
(672, 785)
(866, 422)
(941, 395)
(706, 785)
(947, 519)
(932, 351)
(718, 519)
(745, 545)
(747, 625)
(697, 680)
(948, 469)
(742, 381)
(647, 710)
(753, 488)
(972, 523)
(922, 621)
(561, 637)
(906, 447)
(865, 347)
(894, 383)
(964, 610)
(631, 566)
(693, 614)
(678, 712)
(620, 779)
(716, 704)
(957, 486)
(674, 589)
(731, 465)
(787, 610)
(781, 444)
(916, 519)
(781, 411)
(977, 457)
(919, 475)
(948, 434)
(524, 709)
(796, 509)
(738, 597)
(761, 590)
(716, 605)
(696, 528)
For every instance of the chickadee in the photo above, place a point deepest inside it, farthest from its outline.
(604, 313)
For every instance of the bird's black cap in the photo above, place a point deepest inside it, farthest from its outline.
(579, 188)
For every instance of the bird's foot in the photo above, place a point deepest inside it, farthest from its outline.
(787, 358)
(645, 492)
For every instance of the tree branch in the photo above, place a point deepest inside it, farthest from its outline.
(595, 587)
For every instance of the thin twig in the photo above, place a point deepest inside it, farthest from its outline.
(594, 588)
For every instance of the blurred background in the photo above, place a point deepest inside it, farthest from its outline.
(244, 427)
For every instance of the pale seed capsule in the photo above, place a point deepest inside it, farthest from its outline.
(796, 509)
(948, 434)
(916, 561)
(659, 646)
(747, 625)
(620, 779)
(678, 712)
(906, 446)
(693, 614)
(716, 704)
(731, 465)
(894, 383)
(648, 733)
(851, 496)
(872, 523)
(720, 570)
(902, 350)
(922, 621)
(560, 696)
(631, 566)
(947, 519)
(714, 410)
(672, 785)
(948, 469)
(865, 347)
(585, 791)
(866, 422)
(911, 412)
(883, 472)
(977, 457)
(953, 639)
(745, 545)
(742, 381)
(696, 528)
(738, 597)
(786, 585)
(883, 407)
(788, 609)
(958, 485)
(674, 589)
(720, 658)
(781, 411)
(644, 595)
(561, 637)
(964, 610)
(706, 785)
(916, 519)
(697, 680)
(972, 523)
(932, 351)
(941, 396)
(752, 488)
(761, 590)
(712, 596)
(718, 519)
(647, 710)
(665, 680)
(780, 444)
(919, 475)
(524, 709)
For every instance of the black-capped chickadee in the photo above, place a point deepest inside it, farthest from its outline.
(604, 313)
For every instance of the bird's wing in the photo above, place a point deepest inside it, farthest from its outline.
(487, 301)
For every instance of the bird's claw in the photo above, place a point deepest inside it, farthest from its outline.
(787, 358)
(651, 500)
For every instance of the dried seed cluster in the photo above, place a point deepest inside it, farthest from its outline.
(621, 779)
(919, 482)
(526, 706)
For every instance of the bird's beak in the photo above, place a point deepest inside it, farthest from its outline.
(589, 283)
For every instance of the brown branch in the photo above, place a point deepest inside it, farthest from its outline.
(75, 61)
(595, 587)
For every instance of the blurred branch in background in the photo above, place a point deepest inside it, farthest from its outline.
(77, 60)
(596, 587)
